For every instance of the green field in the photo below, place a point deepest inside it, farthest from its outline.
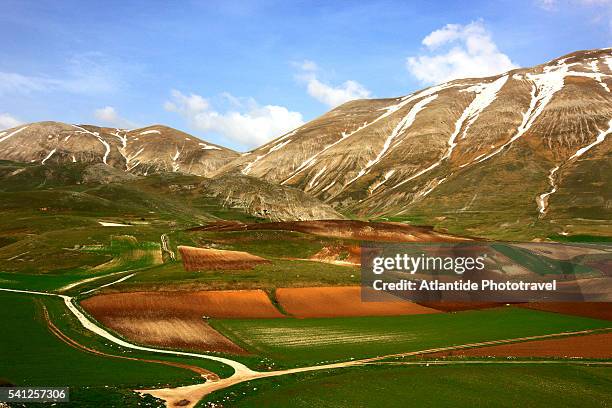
(294, 342)
(434, 386)
(32, 355)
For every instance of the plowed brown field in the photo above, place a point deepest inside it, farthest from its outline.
(190, 333)
(176, 319)
(596, 310)
(341, 302)
(589, 346)
(195, 259)
(221, 303)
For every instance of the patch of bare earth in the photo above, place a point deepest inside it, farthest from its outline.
(339, 254)
(588, 346)
(196, 259)
(341, 302)
(177, 319)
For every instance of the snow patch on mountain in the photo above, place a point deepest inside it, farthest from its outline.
(13, 133)
(208, 147)
(600, 138)
(97, 136)
(400, 128)
(48, 156)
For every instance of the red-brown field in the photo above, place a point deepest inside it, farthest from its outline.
(347, 229)
(222, 304)
(596, 310)
(176, 319)
(341, 302)
(588, 346)
(196, 259)
(188, 333)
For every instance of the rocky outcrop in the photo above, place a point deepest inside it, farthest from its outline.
(264, 199)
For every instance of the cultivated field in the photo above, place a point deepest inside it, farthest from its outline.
(596, 310)
(312, 341)
(219, 304)
(596, 346)
(182, 333)
(176, 319)
(341, 302)
(195, 259)
(433, 386)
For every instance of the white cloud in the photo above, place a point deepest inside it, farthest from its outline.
(89, 73)
(7, 121)
(468, 52)
(247, 122)
(109, 116)
(334, 96)
(330, 95)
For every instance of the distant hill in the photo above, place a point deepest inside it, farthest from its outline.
(140, 151)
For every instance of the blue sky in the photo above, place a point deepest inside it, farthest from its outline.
(240, 73)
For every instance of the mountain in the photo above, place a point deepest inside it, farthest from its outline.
(140, 151)
(523, 154)
(525, 150)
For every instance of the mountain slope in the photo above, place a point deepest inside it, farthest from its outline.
(264, 199)
(512, 145)
(141, 151)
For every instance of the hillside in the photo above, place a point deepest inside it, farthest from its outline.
(525, 150)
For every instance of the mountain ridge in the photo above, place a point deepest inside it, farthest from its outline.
(142, 151)
(525, 148)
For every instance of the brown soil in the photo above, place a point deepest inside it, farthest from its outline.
(596, 310)
(348, 229)
(195, 259)
(588, 346)
(187, 333)
(341, 302)
(176, 319)
(222, 304)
